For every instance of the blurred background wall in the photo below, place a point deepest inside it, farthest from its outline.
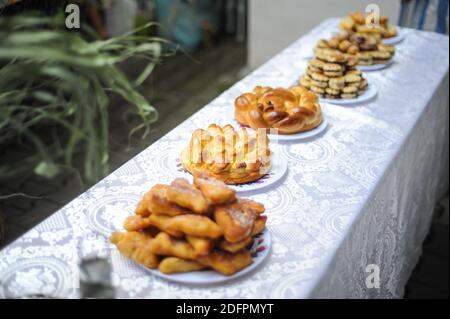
(273, 25)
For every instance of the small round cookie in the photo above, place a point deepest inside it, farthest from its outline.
(352, 78)
(331, 97)
(318, 77)
(331, 56)
(305, 81)
(348, 95)
(345, 45)
(333, 67)
(331, 91)
(317, 90)
(319, 84)
(316, 63)
(350, 89)
(337, 83)
(314, 69)
(354, 72)
(333, 74)
(363, 84)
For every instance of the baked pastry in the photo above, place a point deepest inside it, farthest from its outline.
(225, 154)
(289, 110)
(357, 22)
(367, 48)
(192, 240)
(332, 73)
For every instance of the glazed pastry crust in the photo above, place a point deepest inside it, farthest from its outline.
(291, 110)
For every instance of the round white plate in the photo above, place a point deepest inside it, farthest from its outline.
(397, 39)
(300, 136)
(277, 171)
(259, 250)
(375, 67)
(370, 93)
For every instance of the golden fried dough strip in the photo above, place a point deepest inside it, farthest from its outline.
(215, 190)
(234, 247)
(165, 245)
(171, 265)
(237, 223)
(227, 263)
(136, 246)
(182, 193)
(251, 206)
(201, 245)
(158, 203)
(142, 207)
(260, 224)
(136, 222)
(162, 222)
(195, 225)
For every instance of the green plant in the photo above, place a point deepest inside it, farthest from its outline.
(50, 76)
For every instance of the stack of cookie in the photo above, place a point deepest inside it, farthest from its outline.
(368, 49)
(333, 75)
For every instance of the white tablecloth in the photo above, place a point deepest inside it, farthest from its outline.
(361, 193)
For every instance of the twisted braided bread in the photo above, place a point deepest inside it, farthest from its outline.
(290, 110)
(233, 157)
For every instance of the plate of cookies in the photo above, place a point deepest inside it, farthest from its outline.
(288, 114)
(369, 50)
(196, 234)
(244, 159)
(334, 77)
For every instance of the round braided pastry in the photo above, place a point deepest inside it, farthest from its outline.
(233, 157)
(289, 110)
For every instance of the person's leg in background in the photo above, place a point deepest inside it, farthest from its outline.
(442, 14)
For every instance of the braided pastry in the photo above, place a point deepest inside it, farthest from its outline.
(290, 110)
(230, 156)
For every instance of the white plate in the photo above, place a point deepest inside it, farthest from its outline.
(277, 170)
(259, 250)
(370, 93)
(300, 136)
(397, 39)
(375, 67)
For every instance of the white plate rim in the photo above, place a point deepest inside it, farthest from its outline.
(397, 39)
(302, 135)
(370, 93)
(217, 278)
(375, 67)
(278, 169)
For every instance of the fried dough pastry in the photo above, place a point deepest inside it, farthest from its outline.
(227, 263)
(359, 22)
(195, 225)
(165, 245)
(215, 190)
(182, 193)
(235, 220)
(260, 224)
(136, 246)
(162, 223)
(142, 207)
(182, 227)
(234, 247)
(291, 110)
(158, 202)
(230, 156)
(201, 245)
(172, 265)
(136, 222)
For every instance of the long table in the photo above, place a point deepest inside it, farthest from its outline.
(356, 201)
